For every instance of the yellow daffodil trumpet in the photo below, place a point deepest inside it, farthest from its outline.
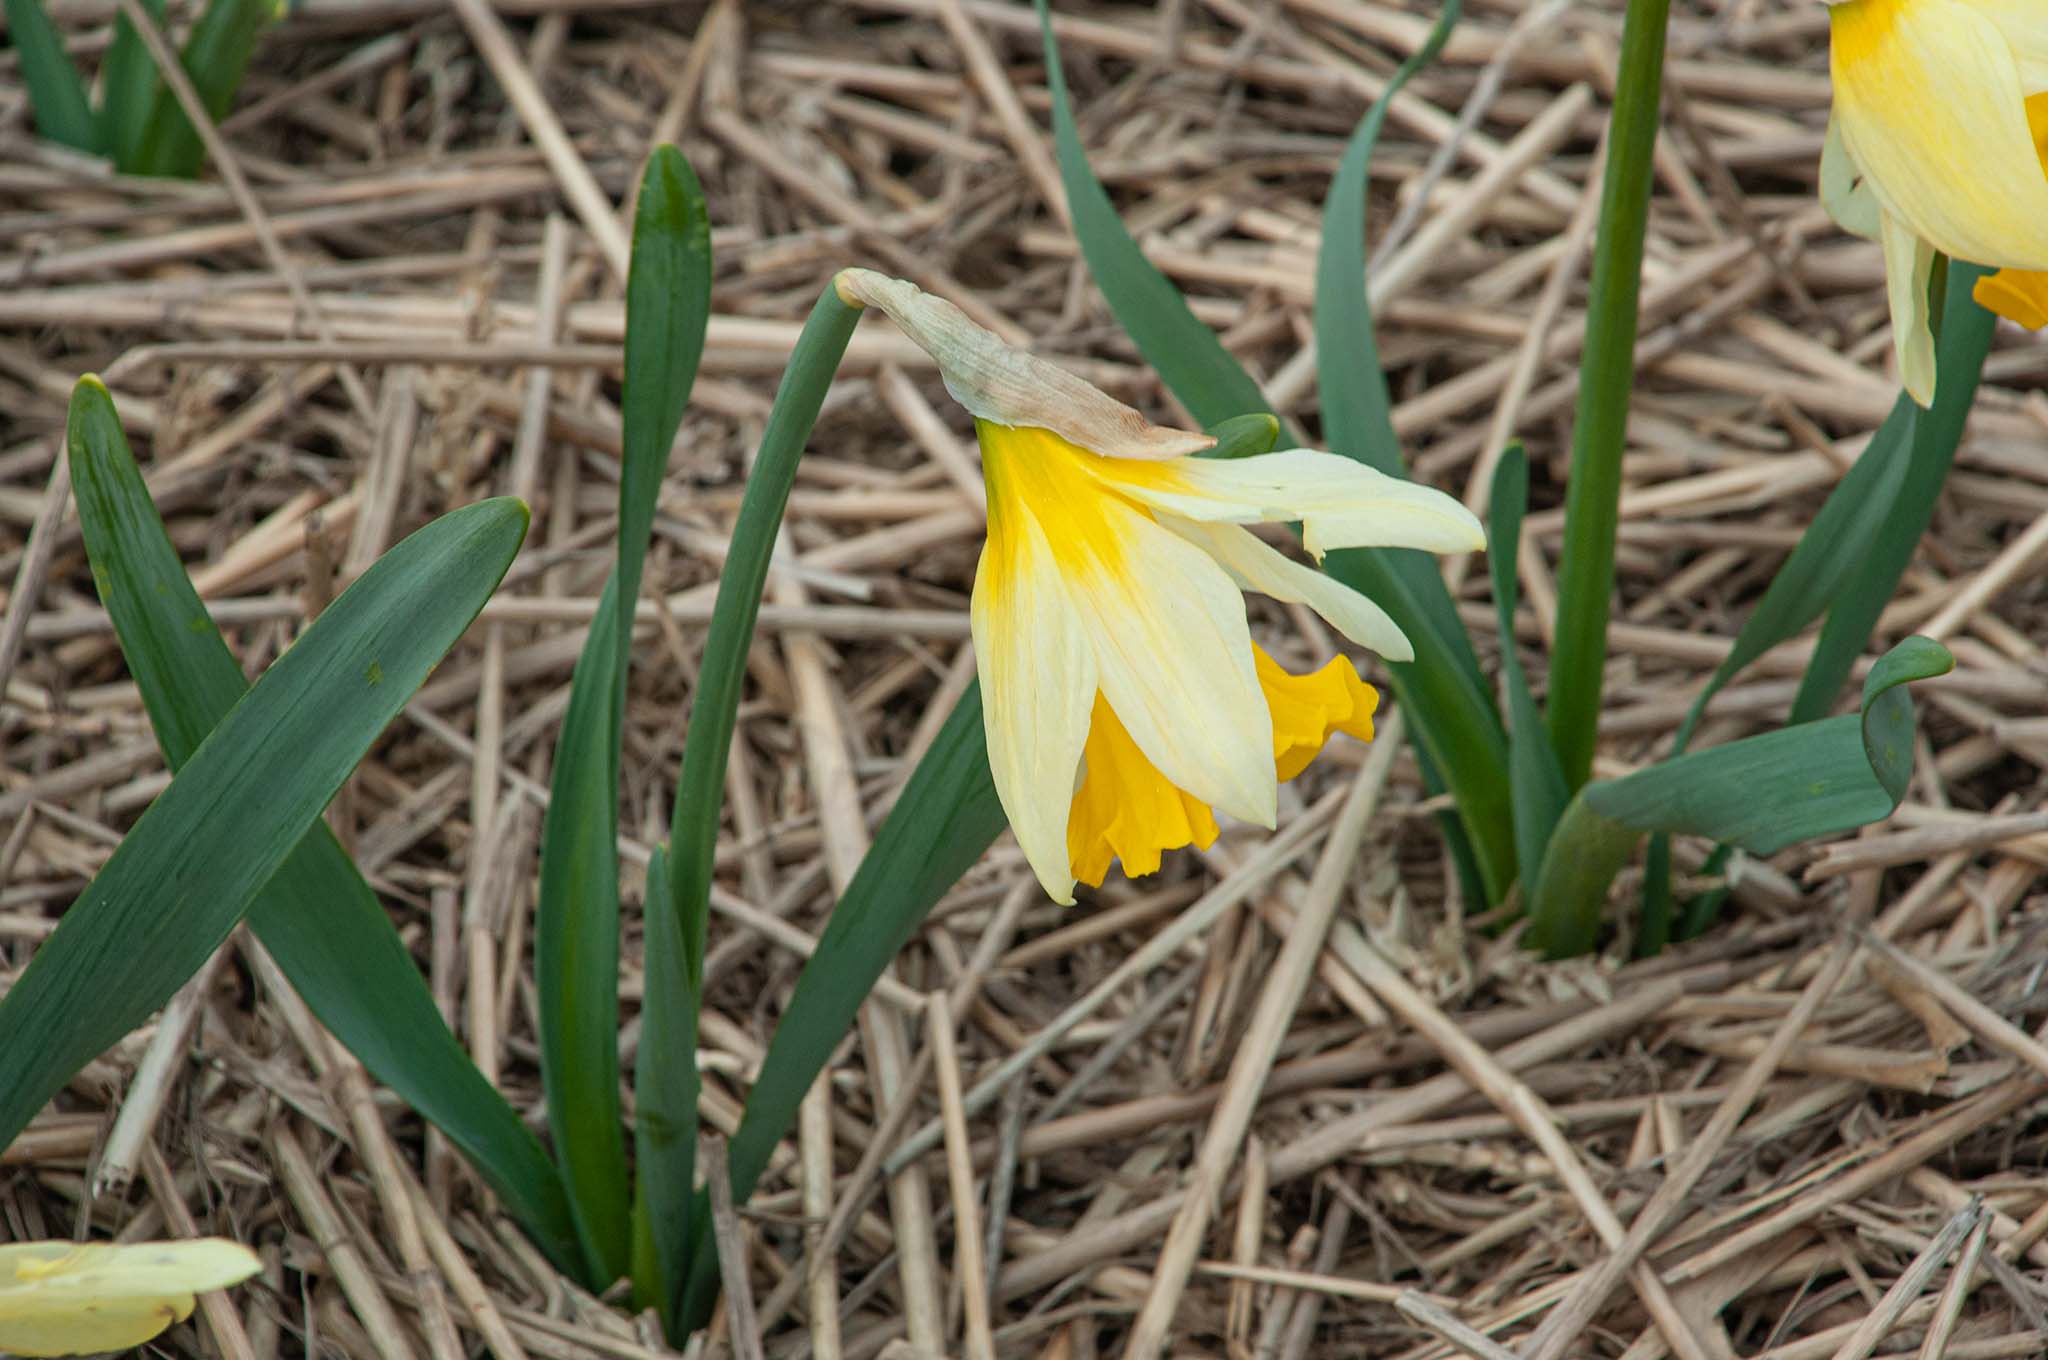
(76, 1298)
(1938, 141)
(1123, 697)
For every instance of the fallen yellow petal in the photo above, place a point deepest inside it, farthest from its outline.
(76, 1298)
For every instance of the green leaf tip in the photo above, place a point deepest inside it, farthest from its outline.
(1243, 436)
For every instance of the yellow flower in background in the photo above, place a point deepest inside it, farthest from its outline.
(1938, 141)
(74, 1298)
(1123, 697)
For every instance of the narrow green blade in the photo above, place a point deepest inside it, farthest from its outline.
(714, 709)
(947, 816)
(1537, 782)
(316, 915)
(1959, 365)
(1186, 353)
(1829, 557)
(666, 1088)
(1762, 793)
(216, 57)
(1358, 416)
(576, 925)
(189, 868)
(56, 91)
(128, 87)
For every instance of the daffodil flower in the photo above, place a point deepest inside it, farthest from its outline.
(1123, 696)
(1938, 140)
(75, 1298)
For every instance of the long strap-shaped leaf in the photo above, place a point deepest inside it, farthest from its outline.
(1959, 365)
(1535, 780)
(948, 814)
(189, 868)
(1453, 723)
(576, 930)
(216, 56)
(1452, 719)
(56, 91)
(1762, 793)
(316, 915)
(714, 708)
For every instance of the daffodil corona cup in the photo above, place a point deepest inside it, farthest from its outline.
(1938, 141)
(1124, 700)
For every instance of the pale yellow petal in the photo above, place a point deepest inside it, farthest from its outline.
(1258, 566)
(1340, 503)
(1932, 107)
(71, 1298)
(1174, 659)
(1908, 264)
(1037, 687)
(1008, 386)
(1842, 189)
(2024, 25)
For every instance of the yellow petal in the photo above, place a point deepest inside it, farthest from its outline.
(1340, 503)
(1166, 624)
(1037, 682)
(1008, 386)
(1126, 810)
(1908, 263)
(1931, 105)
(72, 1298)
(1308, 708)
(2017, 295)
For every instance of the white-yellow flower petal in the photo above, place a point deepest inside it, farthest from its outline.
(1843, 190)
(1258, 566)
(1908, 264)
(1174, 658)
(1008, 386)
(73, 1298)
(1340, 503)
(1037, 688)
(1932, 108)
(2024, 24)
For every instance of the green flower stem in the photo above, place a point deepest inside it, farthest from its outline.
(1585, 578)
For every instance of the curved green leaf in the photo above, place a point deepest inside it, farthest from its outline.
(576, 923)
(1358, 416)
(189, 868)
(317, 916)
(1185, 353)
(216, 57)
(1536, 781)
(1959, 365)
(56, 91)
(946, 817)
(1762, 793)
(666, 1088)
(128, 87)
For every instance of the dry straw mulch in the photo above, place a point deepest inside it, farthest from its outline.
(1835, 1147)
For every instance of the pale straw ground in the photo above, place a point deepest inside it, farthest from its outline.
(1399, 1182)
